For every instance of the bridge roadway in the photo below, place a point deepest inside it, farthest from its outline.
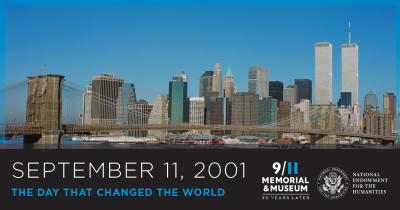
(22, 129)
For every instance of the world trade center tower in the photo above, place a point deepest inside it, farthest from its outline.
(323, 73)
(350, 69)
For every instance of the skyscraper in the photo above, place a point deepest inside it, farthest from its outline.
(219, 111)
(205, 83)
(389, 104)
(323, 73)
(105, 89)
(276, 90)
(289, 94)
(376, 123)
(303, 89)
(245, 109)
(159, 115)
(267, 111)
(267, 114)
(215, 111)
(370, 102)
(258, 81)
(350, 69)
(349, 119)
(345, 99)
(126, 97)
(196, 110)
(284, 114)
(389, 107)
(87, 106)
(217, 79)
(229, 84)
(177, 100)
(139, 114)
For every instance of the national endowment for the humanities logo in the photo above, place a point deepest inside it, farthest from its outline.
(333, 183)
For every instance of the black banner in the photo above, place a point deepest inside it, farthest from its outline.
(198, 178)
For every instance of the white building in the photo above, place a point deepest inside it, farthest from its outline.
(87, 106)
(258, 81)
(323, 73)
(349, 119)
(345, 118)
(350, 70)
(196, 110)
(289, 94)
(304, 106)
(300, 114)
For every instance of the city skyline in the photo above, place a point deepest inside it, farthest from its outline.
(274, 60)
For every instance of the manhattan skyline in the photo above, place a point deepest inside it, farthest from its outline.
(148, 45)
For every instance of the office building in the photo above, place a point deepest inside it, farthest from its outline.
(245, 110)
(268, 108)
(376, 123)
(323, 73)
(139, 114)
(289, 94)
(303, 89)
(349, 119)
(217, 79)
(205, 85)
(370, 102)
(229, 84)
(159, 115)
(126, 97)
(268, 114)
(258, 81)
(300, 116)
(196, 110)
(350, 69)
(177, 100)
(276, 90)
(389, 104)
(389, 107)
(345, 99)
(284, 114)
(219, 111)
(105, 89)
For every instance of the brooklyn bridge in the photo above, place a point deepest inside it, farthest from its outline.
(43, 108)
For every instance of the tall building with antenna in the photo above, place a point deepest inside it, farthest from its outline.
(350, 68)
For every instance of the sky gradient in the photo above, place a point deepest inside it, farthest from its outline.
(147, 45)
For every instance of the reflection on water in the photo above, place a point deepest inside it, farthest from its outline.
(20, 140)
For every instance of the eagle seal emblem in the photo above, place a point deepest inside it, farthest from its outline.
(333, 183)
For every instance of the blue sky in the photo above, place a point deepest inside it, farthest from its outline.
(148, 44)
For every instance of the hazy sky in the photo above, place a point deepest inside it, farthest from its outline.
(147, 45)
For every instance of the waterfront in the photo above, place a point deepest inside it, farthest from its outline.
(68, 143)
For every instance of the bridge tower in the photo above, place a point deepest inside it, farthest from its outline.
(44, 108)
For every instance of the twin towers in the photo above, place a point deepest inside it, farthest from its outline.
(323, 71)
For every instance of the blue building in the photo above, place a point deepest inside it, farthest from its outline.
(267, 111)
(178, 110)
(268, 114)
(126, 97)
(345, 99)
